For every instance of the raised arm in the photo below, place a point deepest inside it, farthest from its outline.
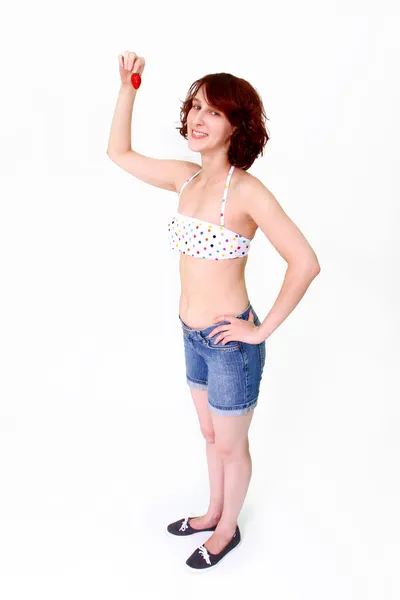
(168, 174)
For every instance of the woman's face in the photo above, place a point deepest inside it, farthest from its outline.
(203, 118)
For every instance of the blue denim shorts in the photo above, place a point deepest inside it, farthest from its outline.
(231, 373)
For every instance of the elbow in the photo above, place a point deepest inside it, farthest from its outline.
(308, 268)
(316, 268)
(313, 266)
(111, 155)
(111, 151)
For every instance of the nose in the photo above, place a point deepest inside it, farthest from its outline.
(198, 118)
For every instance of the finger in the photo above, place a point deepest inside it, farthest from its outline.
(129, 61)
(132, 58)
(218, 319)
(142, 64)
(137, 65)
(129, 58)
(126, 59)
(219, 329)
(214, 332)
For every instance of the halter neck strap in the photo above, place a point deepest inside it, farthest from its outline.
(223, 203)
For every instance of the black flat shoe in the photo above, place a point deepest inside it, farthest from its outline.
(183, 527)
(202, 559)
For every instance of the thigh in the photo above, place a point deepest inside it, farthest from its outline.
(231, 435)
(227, 389)
(200, 399)
(234, 375)
(197, 379)
(196, 366)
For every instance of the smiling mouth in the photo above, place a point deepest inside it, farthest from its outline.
(198, 136)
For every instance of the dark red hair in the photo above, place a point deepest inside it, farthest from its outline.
(243, 107)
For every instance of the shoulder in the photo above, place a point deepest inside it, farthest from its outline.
(253, 193)
(185, 170)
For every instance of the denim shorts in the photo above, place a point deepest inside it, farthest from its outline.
(231, 373)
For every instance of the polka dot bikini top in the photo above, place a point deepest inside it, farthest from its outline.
(202, 239)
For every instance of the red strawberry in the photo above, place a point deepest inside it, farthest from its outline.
(136, 80)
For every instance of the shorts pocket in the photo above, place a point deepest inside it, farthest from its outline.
(227, 347)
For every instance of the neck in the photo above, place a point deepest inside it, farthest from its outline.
(213, 170)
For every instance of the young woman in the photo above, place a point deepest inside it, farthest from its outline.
(220, 208)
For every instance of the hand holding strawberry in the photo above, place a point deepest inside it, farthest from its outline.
(131, 67)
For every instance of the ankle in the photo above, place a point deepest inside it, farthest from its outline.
(213, 515)
(226, 528)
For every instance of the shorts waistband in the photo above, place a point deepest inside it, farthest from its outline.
(212, 326)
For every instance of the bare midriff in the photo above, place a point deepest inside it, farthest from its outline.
(211, 288)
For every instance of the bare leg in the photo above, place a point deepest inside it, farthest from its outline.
(215, 464)
(231, 435)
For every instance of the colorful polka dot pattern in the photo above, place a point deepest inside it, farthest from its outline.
(202, 239)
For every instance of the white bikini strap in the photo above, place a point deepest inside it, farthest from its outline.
(186, 182)
(223, 204)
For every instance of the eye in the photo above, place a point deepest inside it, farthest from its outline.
(197, 106)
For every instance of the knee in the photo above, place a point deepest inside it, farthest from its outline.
(208, 434)
(234, 453)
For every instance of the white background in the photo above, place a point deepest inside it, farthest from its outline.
(100, 446)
